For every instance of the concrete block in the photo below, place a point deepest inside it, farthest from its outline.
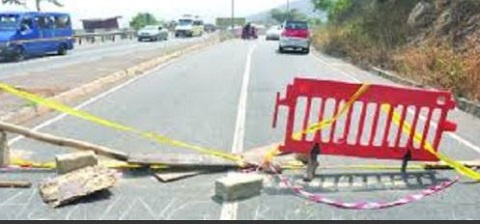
(238, 186)
(70, 162)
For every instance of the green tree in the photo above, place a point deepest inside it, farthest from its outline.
(37, 3)
(282, 15)
(143, 19)
(336, 9)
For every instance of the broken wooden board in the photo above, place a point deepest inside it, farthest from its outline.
(181, 160)
(442, 165)
(4, 150)
(67, 188)
(63, 142)
(15, 184)
(170, 176)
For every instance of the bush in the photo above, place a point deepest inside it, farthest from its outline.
(435, 63)
(376, 32)
(438, 64)
(348, 42)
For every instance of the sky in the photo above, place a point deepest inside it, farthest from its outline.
(164, 9)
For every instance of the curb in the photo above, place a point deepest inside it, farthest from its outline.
(25, 114)
(465, 105)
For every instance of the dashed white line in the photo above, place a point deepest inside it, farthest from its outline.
(229, 210)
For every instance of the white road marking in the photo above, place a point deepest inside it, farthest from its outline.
(229, 210)
(94, 99)
(454, 136)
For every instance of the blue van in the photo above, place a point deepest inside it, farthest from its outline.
(25, 34)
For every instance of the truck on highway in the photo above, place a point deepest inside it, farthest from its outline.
(25, 34)
(189, 26)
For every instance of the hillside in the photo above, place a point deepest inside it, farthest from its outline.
(434, 42)
(452, 21)
(304, 6)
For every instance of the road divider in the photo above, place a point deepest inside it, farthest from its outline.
(83, 37)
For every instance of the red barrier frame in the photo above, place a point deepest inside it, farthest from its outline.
(442, 101)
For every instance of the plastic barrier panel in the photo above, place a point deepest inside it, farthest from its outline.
(366, 128)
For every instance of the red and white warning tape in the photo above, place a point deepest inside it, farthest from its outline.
(317, 198)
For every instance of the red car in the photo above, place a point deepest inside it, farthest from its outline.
(296, 36)
(249, 32)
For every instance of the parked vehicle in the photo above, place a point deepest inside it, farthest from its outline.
(153, 33)
(25, 34)
(296, 36)
(210, 28)
(274, 33)
(189, 26)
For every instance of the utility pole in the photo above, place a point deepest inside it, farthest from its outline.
(233, 15)
(288, 9)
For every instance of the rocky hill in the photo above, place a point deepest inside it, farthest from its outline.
(450, 20)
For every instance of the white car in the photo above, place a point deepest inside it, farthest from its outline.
(274, 33)
(152, 33)
(189, 27)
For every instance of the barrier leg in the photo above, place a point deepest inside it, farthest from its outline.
(312, 163)
(405, 161)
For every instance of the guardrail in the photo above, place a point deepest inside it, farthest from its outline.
(465, 105)
(83, 38)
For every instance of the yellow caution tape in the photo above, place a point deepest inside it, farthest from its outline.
(272, 153)
(114, 125)
(326, 123)
(321, 125)
(407, 129)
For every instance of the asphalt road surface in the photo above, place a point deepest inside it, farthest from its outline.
(85, 53)
(223, 97)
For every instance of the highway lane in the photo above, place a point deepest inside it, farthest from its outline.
(271, 73)
(86, 53)
(196, 99)
(188, 100)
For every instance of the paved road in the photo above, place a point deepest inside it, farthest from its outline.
(223, 97)
(85, 53)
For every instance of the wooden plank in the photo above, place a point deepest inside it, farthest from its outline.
(443, 165)
(4, 150)
(15, 184)
(175, 174)
(170, 176)
(64, 142)
(68, 188)
(180, 160)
